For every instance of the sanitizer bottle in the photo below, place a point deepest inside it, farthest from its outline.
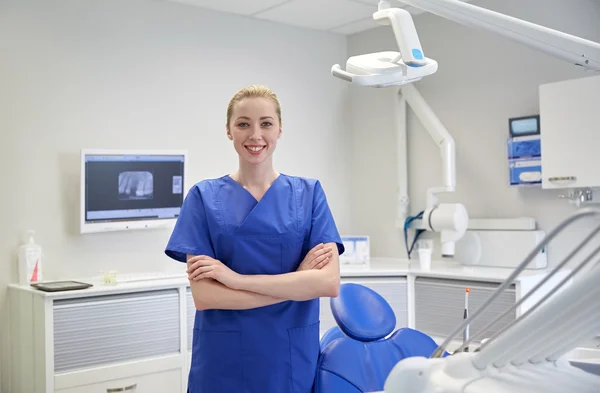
(30, 261)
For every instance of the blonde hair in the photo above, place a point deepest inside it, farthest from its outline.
(250, 92)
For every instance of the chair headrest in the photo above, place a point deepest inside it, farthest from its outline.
(362, 314)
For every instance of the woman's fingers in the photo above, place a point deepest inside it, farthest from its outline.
(199, 271)
(318, 260)
(204, 275)
(200, 262)
(321, 252)
(315, 250)
(323, 263)
(193, 267)
(197, 258)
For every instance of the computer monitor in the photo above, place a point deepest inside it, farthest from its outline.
(131, 189)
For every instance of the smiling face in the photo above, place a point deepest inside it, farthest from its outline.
(254, 127)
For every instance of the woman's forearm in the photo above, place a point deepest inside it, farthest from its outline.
(298, 286)
(209, 294)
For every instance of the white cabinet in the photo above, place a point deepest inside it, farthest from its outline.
(102, 340)
(570, 133)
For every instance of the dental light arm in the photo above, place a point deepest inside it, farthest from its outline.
(449, 219)
(570, 48)
(405, 32)
(441, 137)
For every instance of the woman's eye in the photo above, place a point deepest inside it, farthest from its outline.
(242, 124)
(267, 124)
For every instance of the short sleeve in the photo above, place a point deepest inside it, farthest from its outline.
(323, 228)
(191, 234)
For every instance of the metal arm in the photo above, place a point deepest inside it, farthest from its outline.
(570, 48)
(441, 137)
(409, 65)
(449, 219)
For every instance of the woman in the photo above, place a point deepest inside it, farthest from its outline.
(246, 239)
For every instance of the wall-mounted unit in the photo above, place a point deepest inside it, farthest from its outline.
(131, 189)
(570, 123)
(524, 151)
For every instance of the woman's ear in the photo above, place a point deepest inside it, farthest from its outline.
(228, 134)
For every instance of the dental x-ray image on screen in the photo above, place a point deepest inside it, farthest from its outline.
(135, 185)
(127, 190)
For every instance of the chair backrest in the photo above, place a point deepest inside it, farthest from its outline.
(330, 335)
(358, 354)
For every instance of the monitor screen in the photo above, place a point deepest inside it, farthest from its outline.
(522, 126)
(132, 187)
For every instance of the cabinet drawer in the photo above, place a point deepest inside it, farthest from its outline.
(439, 306)
(393, 290)
(103, 330)
(160, 382)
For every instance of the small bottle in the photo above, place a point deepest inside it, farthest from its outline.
(30, 261)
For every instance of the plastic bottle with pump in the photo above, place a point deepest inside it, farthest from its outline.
(30, 261)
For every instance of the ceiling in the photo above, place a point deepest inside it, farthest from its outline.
(338, 16)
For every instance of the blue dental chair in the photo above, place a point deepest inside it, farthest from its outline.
(358, 354)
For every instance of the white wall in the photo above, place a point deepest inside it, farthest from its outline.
(145, 74)
(482, 81)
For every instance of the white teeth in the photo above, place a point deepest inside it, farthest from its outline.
(255, 148)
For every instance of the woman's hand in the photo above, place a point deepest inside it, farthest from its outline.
(201, 267)
(316, 258)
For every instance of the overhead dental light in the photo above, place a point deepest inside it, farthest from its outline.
(389, 68)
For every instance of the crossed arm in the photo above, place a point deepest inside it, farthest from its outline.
(211, 294)
(220, 288)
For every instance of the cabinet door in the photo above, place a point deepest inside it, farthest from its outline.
(102, 330)
(440, 304)
(570, 132)
(392, 289)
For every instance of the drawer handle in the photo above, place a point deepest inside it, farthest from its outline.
(125, 389)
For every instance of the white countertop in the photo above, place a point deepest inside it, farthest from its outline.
(379, 267)
(439, 268)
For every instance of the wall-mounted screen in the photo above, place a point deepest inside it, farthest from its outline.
(131, 189)
(522, 126)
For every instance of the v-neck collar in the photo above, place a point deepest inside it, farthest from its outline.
(257, 201)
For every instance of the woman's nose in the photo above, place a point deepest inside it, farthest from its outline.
(256, 132)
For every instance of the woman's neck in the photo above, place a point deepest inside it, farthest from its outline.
(256, 176)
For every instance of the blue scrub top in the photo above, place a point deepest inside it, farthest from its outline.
(271, 349)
